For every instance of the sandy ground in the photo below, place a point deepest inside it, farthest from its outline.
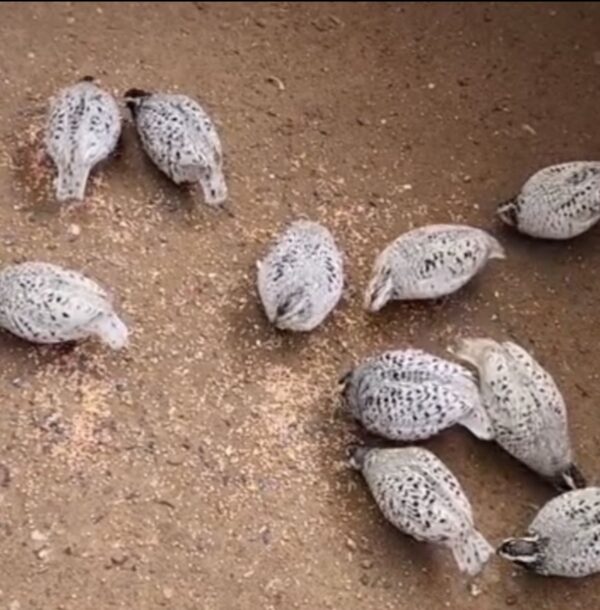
(203, 468)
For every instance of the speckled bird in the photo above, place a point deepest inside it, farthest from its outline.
(45, 303)
(557, 202)
(83, 128)
(428, 263)
(526, 408)
(410, 395)
(181, 139)
(422, 498)
(563, 539)
(300, 280)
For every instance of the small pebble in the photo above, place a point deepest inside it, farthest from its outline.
(38, 536)
(168, 592)
(74, 231)
(4, 475)
(118, 558)
(474, 590)
(265, 534)
(351, 544)
(42, 554)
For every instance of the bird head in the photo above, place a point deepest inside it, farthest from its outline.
(508, 212)
(380, 288)
(294, 311)
(133, 98)
(569, 479)
(356, 455)
(527, 552)
(214, 187)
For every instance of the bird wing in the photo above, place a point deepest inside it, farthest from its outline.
(569, 512)
(446, 258)
(419, 507)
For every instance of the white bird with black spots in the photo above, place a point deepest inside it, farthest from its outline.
(411, 395)
(300, 280)
(46, 303)
(526, 408)
(428, 263)
(563, 539)
(419, 495)
(558, 202)
(84, 126)
(181, 139)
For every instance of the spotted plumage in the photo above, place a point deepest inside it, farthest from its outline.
(409, 395)
(181, 140)
(45, 303)
(422, 498)
(557, 202)
(526, 408)
(428, 263)
(563, 539)
(83, 129)
(300, 280)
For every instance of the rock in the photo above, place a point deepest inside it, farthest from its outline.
(351, 544)
(366, 564)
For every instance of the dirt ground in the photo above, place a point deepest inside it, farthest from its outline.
(203, 468)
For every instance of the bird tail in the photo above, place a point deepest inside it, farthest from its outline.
(471, 552)
(111, 330)
(496, 248)
(71, 182)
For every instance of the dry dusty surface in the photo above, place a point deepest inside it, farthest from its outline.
(203, 468)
